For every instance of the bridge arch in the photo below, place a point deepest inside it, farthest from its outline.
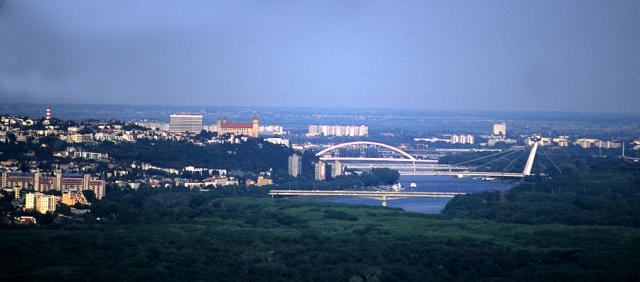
(334, 147)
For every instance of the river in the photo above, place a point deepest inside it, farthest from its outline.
(428, 184)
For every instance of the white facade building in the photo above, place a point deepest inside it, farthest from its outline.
(40, 202)
(338, 130)
(278, 141)
(320, 171)
(500, 129)
(271, 130)
(336, 169)
(462, 139)
(185, 123)
(603, 144)
(295, 165)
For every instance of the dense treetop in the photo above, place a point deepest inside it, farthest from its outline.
(180, 235)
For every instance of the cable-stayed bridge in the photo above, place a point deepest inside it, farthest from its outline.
(364, 154)
(368, 155)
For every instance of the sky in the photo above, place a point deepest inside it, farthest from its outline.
(445, 55)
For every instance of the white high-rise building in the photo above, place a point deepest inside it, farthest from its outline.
(295, 165)
(40, 202)
(320, 171)
(30, 201)
(500, 129)
(185, 123)
(47, 203)
(336, 169)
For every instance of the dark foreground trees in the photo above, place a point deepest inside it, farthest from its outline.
(593, 191)
(187, 236)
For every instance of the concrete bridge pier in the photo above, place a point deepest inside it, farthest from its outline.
(384, 200)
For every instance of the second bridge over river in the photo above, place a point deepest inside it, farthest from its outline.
(382, 195)
(369, 155)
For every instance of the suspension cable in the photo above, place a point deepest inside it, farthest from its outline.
(514, 161)
(549, 158)
(502, 157)
(492, 155)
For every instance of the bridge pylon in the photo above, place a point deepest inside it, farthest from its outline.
(532, 155)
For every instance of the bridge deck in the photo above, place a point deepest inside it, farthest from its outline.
(362, 159)
(405, 166)
(464, 173)
(372, 194)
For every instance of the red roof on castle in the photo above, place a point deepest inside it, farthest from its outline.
(237, 125)
(225, 124)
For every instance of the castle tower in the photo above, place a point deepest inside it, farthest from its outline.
(256, 126)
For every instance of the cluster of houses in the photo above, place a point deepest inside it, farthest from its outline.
(79, 170)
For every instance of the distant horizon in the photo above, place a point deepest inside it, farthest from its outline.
(334, 108)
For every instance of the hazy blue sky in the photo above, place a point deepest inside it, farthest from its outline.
(494, 55)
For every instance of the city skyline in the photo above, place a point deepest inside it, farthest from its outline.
(543, 56)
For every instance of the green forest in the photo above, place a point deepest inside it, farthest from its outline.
(588, 190)
(173, 235)
(252, 155)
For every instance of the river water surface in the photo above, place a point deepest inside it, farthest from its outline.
(428, 184)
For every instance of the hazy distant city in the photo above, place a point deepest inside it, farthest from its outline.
(85, 156)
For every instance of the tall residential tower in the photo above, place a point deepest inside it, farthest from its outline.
(320, 171)
(180, 123)
(295, 165)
